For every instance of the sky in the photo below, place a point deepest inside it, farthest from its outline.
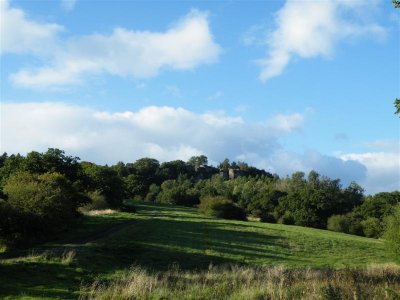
(282, 85)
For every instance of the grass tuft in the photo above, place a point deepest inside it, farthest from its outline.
(235, 282)
(68, 257)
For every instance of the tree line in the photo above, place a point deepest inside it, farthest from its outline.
(41, 194)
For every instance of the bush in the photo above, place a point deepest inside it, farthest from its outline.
(338, 223)
(13, 224)
(348, 223)
(154, 190)
(37, 205)
(221, 207)
(372, 227)
(178, 193)
(49, 196)
(97, 202)
(392, 232)
(267, 218)
(286, 219)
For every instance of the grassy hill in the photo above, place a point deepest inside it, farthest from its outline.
(102, 247)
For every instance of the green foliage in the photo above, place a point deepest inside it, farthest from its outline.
(379, 206)
(372, 227)
(175, 169)
(97, 202)
(179, 192)
(37, 205)
(105, 181)
(287, 218)
(49, 196)
(221, 207)
(348, 223)
(397, 101)
(197, 161)
(152, 195)
(392, 232)
(338, 223)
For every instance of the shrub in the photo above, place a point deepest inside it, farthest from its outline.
(154, 190)
(36, 206)
(348, 223)
(392, 232)
(15, 225)
(49, 196)
(178, 193)
(97, 202)
(286, 219)
(372, 227)
(268, 218)
(338, 223)
(221, 207)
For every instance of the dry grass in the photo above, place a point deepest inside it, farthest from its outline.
(68, 257)
(99, 212)
(233, 282)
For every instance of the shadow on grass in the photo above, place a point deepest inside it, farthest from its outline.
(38, 280)
(173, 238)
(158, 242)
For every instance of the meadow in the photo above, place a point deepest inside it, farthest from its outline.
(176, 250)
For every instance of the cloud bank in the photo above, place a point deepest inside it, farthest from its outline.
(168, 133)
(309, 29)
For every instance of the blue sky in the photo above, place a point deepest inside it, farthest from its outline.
(282, 85)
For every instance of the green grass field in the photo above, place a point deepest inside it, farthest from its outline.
(159, 236)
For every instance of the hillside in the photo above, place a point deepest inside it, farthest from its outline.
(158, 236)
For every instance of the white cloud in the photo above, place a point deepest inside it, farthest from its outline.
(163, 132)
(168, 133)
(383, 169)
(140, 54)
(312, 28)
(20, 34)
(68, 5)
(286, 123)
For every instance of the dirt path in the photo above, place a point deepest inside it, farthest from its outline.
(100, 234)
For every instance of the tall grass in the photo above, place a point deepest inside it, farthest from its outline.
(234, 282)
(68, 257)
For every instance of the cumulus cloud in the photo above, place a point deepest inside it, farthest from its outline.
(20, 34)
(383, 169)
(308, 29)
(168, 133)
(165, 133)
(124, 52)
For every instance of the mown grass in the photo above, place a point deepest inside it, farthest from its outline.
(164, 235)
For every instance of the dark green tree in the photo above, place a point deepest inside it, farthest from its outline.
(197, 161)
